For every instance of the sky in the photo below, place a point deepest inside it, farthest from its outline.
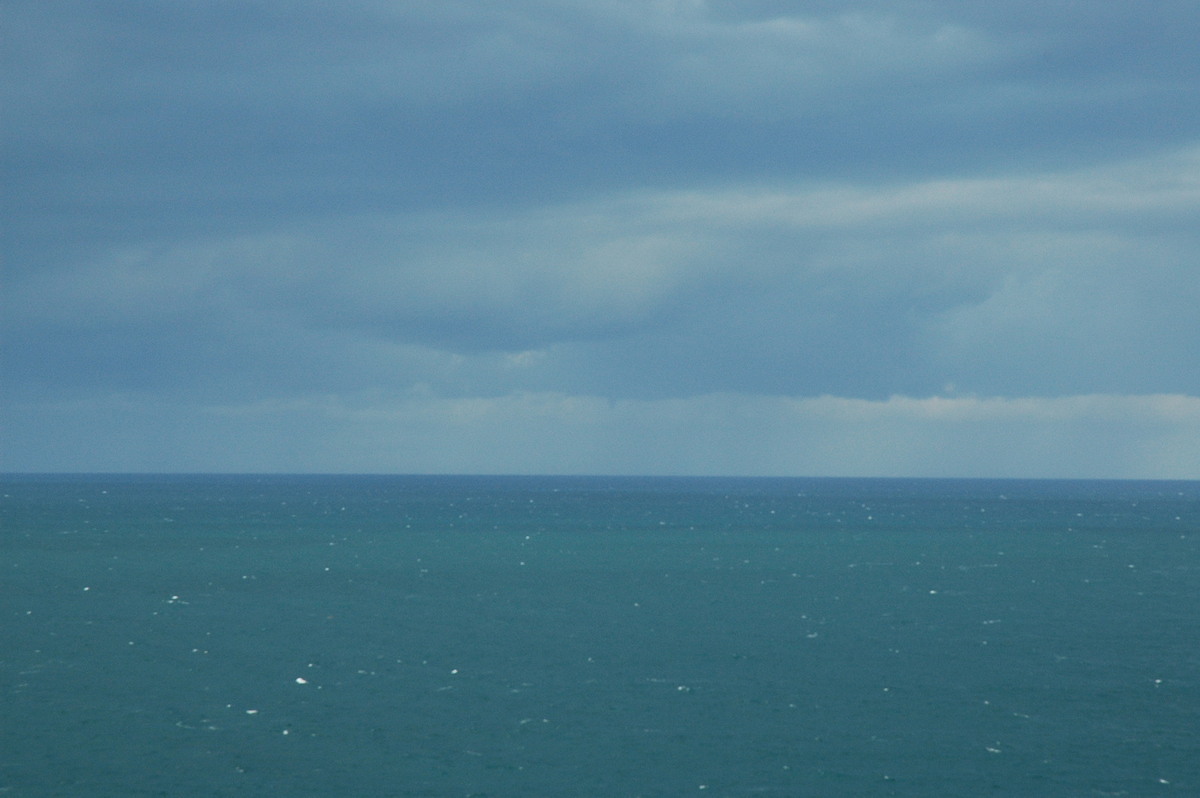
(735, 237)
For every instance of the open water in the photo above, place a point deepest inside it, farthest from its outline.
(522, 636)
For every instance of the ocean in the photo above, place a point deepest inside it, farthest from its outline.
(570, 636)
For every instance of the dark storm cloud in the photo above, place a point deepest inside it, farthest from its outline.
(137, 119)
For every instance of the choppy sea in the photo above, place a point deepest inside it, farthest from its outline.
(535, 636)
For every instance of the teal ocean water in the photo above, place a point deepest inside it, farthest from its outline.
(484, 636)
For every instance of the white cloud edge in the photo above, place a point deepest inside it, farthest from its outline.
(1166, 408)
(1088, 436)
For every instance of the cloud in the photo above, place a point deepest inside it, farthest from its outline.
(1050, 283)
(1083, 436)
(630, 206)
(138, 119)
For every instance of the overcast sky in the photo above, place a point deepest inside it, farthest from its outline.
(602, 236)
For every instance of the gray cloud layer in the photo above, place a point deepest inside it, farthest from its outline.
(221, 205)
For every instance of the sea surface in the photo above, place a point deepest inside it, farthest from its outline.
(533, 636)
